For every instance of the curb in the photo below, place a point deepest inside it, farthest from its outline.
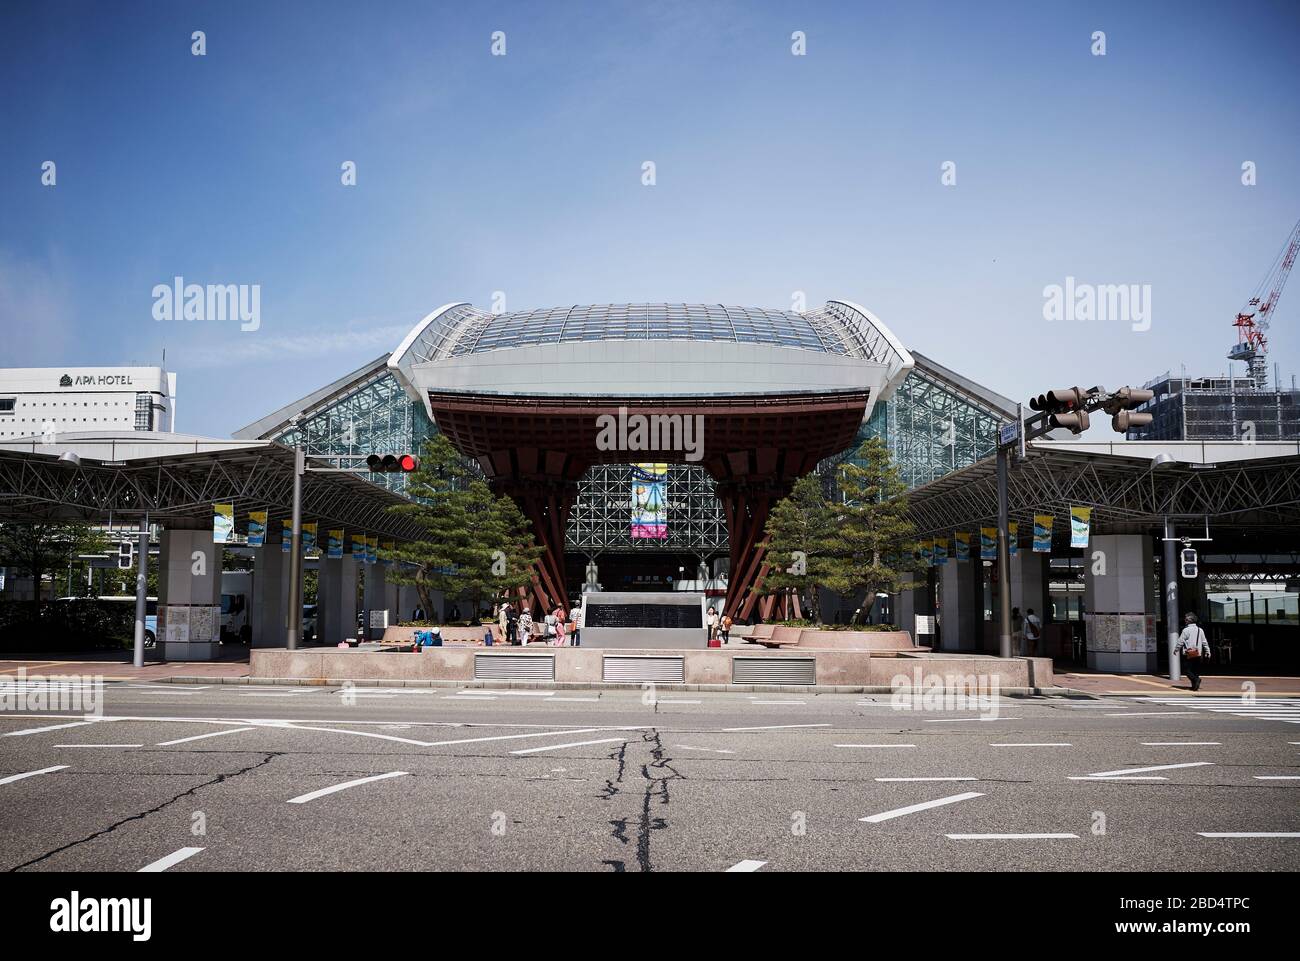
(589, 686)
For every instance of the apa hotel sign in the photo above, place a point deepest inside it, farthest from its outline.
(95, 380)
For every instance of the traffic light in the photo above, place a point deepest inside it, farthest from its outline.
(392, 463)
(125, 554)
(1120, 406)
(1064, 408)
(1188, 562)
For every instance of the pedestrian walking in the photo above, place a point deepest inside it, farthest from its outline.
(1194, 649)
(1033, 631)
(575, 624)
(503, 619)
(559, 625)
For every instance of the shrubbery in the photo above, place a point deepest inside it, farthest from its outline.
(80, 625)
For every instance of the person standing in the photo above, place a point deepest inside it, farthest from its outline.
(525, 627)
(1194, 648)
(713, 623)
(1017, 632)
(558, 613)
(724, 628)
(512, 625)
(1033, 631)
(503, 619)
(575, 624)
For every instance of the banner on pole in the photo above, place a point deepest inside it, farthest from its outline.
(223, 523)
(1080, 522)
(334, 546)
(308, 539)
(372, 549)
(286, 535)
(256, 528)
(359, 547)
(988, 543)
(1013, 532)
(962, 539)
(927, 552)
(940, 551)
(1043, 533)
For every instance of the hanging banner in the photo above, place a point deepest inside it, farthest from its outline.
(308, 539)
(927, 552)
(386, 548)
(962, 539)
(940, 551)
(1013, 530)
(286, 535)
(256, 528)
(372, 549)
(223, 523)
(988, 543)
(649, 501)
(359, 547)
(334, 545)
(1043, 533)
(1080, 520)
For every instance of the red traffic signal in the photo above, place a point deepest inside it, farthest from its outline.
(392, 463)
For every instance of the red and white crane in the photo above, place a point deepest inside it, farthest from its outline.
(1253, 319)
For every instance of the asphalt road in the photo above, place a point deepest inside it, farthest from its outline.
(603, 781)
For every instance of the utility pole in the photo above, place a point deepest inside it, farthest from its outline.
(1004, 554)
(142, 593)
(1171, 600)
(293, 630)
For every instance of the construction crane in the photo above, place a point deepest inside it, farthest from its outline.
(1253, 320)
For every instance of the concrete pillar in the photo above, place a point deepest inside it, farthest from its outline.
(961, 605)
(189, 595)
(380, 595)
(336, 602)
(1029, 582)
(913, 599)
(1117, 595)
(270, 588)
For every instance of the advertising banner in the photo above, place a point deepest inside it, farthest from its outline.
(308, 539)
(256, 528)
(1080, 522)
(940, 551)
(334, 546)
(988, 543)
(223, 523)
(286, 535)
(1013, 531)
(649, 501)
(1043, 533)
(962, 539)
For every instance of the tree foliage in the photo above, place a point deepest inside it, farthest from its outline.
(801, 533)
(476, 544)
(34, 550)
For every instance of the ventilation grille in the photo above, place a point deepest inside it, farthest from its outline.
(774, 670)
(633, 668)
(515, 667)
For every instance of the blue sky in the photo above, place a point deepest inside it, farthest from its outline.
(522, 174)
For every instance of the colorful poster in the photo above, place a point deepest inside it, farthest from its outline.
(940, 551)
(1080, 521)
(962, 539)
(1013, 531)
(372, 549)
(927, 552)
(649, 501)
(223, 523)
(1043, 533)
(308, 539)
(286, 535)
(334, 546)
(359, 547)
(988, 543)
(256, 528)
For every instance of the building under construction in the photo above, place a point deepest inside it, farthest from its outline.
(1222, 408)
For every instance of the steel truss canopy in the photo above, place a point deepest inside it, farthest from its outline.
(180, 477)
(1242, 486)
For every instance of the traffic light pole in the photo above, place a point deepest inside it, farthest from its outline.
(1171, 600)
(1004, 555)
(293, 628)
(142, 594)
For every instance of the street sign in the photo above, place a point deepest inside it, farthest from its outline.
(1008, 433)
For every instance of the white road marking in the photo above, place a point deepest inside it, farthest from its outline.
(1277, 777)
(304, 798)
(743, 867)
(164, 687)
(514, 737)
(712, 750)
(1182, 743)
(664, 700)
(923, 806)
(1009, 837)
(771, 727)
(904, 779)
(1144, 770)
(875, 745)
(1086, 706)
(200, 737)
(99, 745)
(272, 693)
(52, 727)
(752, 701)
(1249, 834)
(1031, 744)
(945, 720)
(176, 857)
(1151, 713)
(1139, 777)
(580, 700)
(468, 697)
(158, 691)
(556, 747)
(18, 777)
(509, 693)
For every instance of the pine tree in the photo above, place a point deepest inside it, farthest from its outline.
(801, 541)
(475, 543)
(875, 538)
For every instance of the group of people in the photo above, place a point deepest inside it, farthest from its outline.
(719, 626)
(1025, 631)
(558, 628)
